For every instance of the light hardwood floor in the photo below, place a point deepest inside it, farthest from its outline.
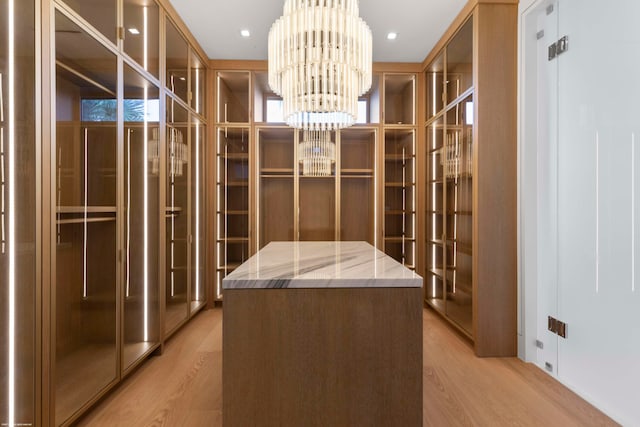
(183, 387)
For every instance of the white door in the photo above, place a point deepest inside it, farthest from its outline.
(598, 214)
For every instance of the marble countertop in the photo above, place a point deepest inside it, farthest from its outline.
(321, 265)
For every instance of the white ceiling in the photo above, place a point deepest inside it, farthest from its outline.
(216, 24)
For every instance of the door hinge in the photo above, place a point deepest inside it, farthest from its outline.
(121, 33)
(557, 327)
(559, 47)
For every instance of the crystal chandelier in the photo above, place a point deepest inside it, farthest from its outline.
(320, 63)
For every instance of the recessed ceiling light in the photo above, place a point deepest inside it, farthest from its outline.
(134, 30)
(245, 33)
(392, 36)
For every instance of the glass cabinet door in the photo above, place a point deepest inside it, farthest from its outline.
(276, 147)
(177, 237)
(142, 202)
(177, 57)
(435, 86)
(435, 279)
(232, 194)
(198, 84)
(85, 233)
(357, 184)
(399, 195)
(17, 213)
(460, 62)
(316, 203)
(141, 37)
(198, 291)
(101, 14)
(458, 172)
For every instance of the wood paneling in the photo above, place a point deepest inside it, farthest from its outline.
(495, 180)
(296, 357)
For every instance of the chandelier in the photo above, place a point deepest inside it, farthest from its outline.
(320, 63)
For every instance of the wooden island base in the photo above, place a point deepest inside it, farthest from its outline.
(322, 357)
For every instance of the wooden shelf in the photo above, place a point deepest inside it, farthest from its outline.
(81, 209)
(399, 184)
(236, 184)
(88, 220)
(356, 171)
(276, 170)
(229, 266)
(317, 177)
(398, 212)
(397, 157)
(240, 212)
(396, 239)
(233, 239)
(235, 156)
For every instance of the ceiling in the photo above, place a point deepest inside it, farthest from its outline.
(216, 24)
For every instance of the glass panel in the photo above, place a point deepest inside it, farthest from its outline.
(317, 204)
(268, 106)
(141, 41)
(198, 134)
(458, 172)
(102, 14)
(233, 97)
(399, 99)
(85, 195)
(357, 184)
(435, 86)
(369, 103)
(434, 290)
(232, 193)
(177, 62)
(17, 214)
(177, 152)
(317, 208)
(142, 193)
(399, 194)
(460, 62)
(276, 220)
(598, 159)
(198, 84)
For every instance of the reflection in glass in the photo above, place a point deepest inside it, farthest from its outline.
(141, 299)
(101, 14)
(198, 132)
(176, 215)
(85, 234)
(177, 51)
(17, 212)
(141, 33)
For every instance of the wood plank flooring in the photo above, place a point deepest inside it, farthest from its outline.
(183, 387)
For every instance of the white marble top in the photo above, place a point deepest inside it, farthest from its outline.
(321, 265)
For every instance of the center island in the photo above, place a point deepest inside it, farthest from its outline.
(322, 333)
